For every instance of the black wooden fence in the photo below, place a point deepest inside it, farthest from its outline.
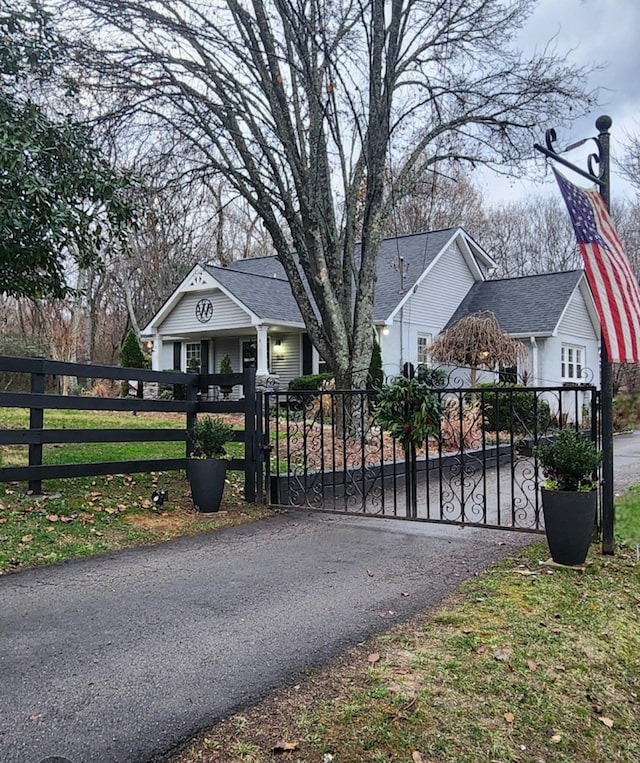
(195, 386)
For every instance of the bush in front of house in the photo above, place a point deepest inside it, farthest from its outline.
(309, 382)
(509, 407)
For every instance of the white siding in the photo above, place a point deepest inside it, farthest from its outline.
(428, 310)
(226, 314)
(440, 293)
(287, 364)
(576, 321)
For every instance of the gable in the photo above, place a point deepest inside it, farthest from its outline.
(528, 305)
(576, 320)
(442, 289)
(451, 251)
(226, 314)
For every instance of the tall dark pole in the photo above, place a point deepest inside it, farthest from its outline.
(603, 124)
(598, 173)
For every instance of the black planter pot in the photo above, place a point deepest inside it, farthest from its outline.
(569, 520)
(206, 476)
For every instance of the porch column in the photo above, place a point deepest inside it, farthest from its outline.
(534, 361)
(262, 368)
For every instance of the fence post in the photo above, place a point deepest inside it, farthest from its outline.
(192, 397)
(36, 421)
(250, 445)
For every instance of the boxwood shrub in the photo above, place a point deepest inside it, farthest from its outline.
(309, 382)
(512, 406)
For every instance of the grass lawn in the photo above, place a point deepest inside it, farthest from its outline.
(525, 663)
(85, 516)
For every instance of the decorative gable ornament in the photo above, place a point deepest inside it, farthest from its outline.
(199, 278)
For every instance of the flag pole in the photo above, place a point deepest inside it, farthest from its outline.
(601, 177)
(603, 124)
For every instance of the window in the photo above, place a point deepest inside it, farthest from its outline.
(193, 357)
(571, 362)
(424, 342)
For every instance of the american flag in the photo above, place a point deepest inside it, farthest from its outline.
(609, 273)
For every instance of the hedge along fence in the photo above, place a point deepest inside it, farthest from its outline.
(38, 401)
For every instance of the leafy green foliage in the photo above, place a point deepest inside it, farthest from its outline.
(309, 381)
(375, 379)
(225, 365)
(409, 410)
(59, 198)
(209, 436)
(570, 462)
(131, 355)
(432, 376)
(511, 409)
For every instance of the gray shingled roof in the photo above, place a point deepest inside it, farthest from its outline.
(268, 297)
(261, 283)
(526, 305)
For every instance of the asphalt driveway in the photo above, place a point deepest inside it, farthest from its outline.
(121, 657)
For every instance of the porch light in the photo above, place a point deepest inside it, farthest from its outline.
(385, 331)
(278, 347)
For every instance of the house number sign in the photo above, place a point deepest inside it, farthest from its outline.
(204, 310)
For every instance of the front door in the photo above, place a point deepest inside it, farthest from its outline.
(249, 354)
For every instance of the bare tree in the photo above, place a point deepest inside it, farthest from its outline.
(533, 235)
(475, 342)
(302, 106)
(438, 201)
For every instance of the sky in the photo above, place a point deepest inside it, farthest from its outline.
(603, 32)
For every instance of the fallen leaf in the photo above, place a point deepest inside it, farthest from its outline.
(607, 721)
(53, 517)
(109, 510)
(416, 757)
(555, 738)
(374, 657)
(27, 538)
(532, 665)
(481, 649)
(284, 747)
(66, 520)
(405, 593)
(467, 630)
(509, 717)
(500, 656)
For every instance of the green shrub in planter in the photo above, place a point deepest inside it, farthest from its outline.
(209, 436)
(570, 462)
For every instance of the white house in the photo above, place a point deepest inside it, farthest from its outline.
(426, 282)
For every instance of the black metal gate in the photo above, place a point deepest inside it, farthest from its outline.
(325, 452)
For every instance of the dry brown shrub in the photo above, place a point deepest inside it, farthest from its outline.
(104, 388)
(461, 429)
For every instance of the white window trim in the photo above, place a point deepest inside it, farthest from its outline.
(572, 362)
(188, 354)
(422, 352)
